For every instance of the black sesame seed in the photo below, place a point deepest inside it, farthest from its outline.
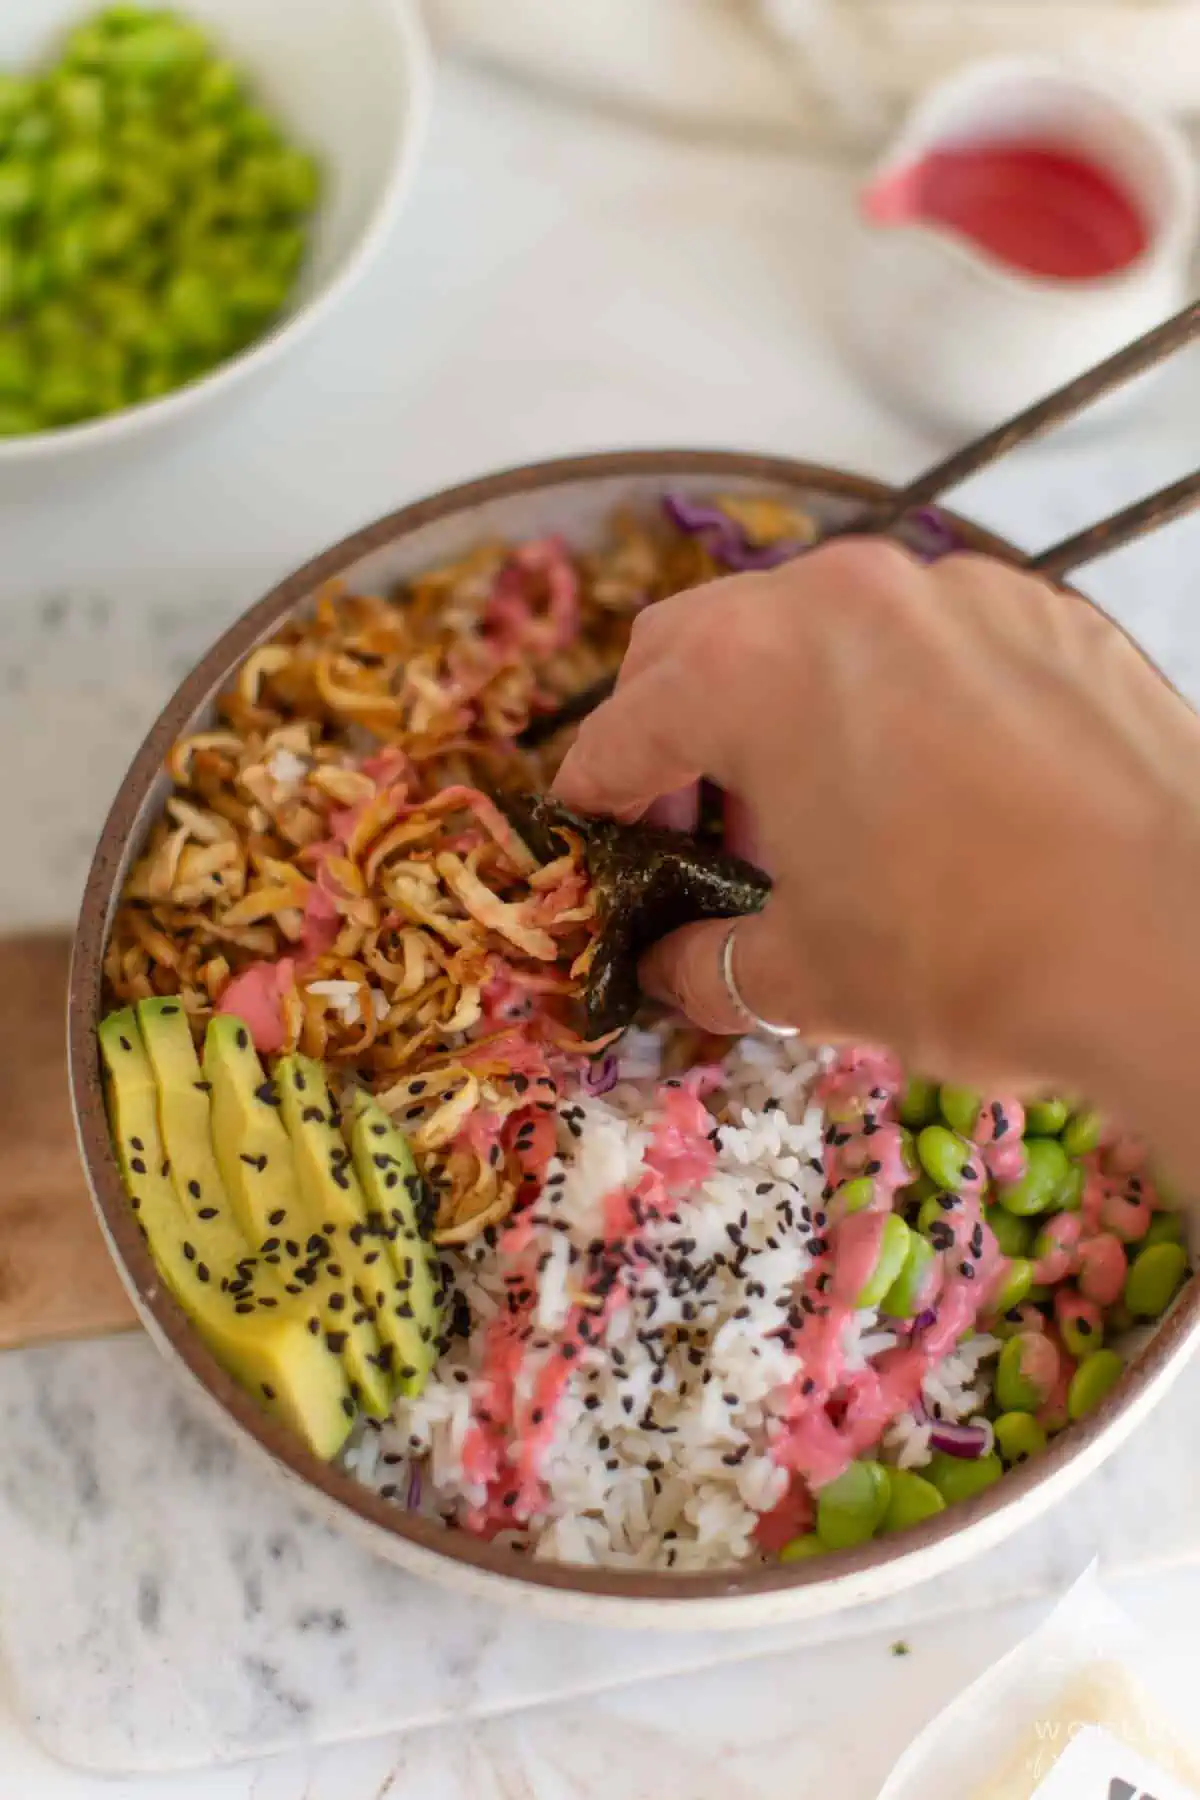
(194, 1189)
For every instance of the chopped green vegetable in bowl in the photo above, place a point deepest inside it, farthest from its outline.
(153, 218)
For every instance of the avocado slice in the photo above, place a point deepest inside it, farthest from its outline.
(274, 1354)
(393, 1188)
(254, 1152)
(368, 1242)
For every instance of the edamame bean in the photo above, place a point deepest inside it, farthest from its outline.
(1047, 1169)
(1013, 1235)
(1154, 1278)
(1045, 1118)
(9, 279)
(943, 1156)
(1080, 1322)
(801, 1548)
(77, 102)
(1026, 1371)
(938, 1209)
(912, 1500)
(16, 366)
(894, 1240)
(72, 176)
(1018, 1437)
(906, 1296)
(959, 1477)
(18, 189)
(851, 1197)
(16, 418)
(1081, 1133)
(1070, 1193)
(1016, 1285)
(849, 1509)
(959, 1107)
(1095, 1378)
(918, 1103)
(1165, 1228)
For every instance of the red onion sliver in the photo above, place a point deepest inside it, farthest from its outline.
(969, 1441)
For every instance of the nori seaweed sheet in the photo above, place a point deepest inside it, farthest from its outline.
(649, 882)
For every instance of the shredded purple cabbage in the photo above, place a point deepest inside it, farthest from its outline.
(930, 534)
(724, 538)
(601, 1075)
(413, 1498)
(925, 530)
(924, 1319)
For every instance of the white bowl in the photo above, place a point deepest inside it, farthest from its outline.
(350, 80)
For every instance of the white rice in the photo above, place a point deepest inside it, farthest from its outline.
(661, 1449)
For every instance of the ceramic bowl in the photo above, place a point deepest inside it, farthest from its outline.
(350, 81)
(575, 497)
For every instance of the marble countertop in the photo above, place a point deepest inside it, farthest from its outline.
(558, 283)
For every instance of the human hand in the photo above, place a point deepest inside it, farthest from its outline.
(970, 789)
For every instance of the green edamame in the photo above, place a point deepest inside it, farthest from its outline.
(801, 1548)
(1082, 1332)
(938, 1209)
(943, 1155)
(1081, 1133)
(1016, 1285)
(1155, 1276)
(1165, 1228)
(1018, 1437)
(906, 1295)
(1047, 1169)
(959, 1477)
(1046, 1118)
(1026, 1371)
(1013, 1235)
(850, 1509)
(851, 1197)
(1095, 1378)
(1070, 1193)
(912, 1500)
(894, 1242)
(959, 1107)
(918, 1103)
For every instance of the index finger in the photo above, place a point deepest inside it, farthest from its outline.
(654, 735)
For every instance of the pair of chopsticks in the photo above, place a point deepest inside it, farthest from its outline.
(1060, 559)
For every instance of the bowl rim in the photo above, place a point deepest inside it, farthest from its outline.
(414, 59)
(349, 1502)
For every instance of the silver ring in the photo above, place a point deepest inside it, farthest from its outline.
(731, 988)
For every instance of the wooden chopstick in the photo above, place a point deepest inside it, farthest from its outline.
(1119, 528)
(1055, 409)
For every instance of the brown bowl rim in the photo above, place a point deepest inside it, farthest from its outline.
(337, 1488)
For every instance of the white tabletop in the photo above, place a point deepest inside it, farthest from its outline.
(558, 283)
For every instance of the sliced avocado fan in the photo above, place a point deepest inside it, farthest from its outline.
(268, 1341)
(389, 1270)
(385, 1167)
(279, 1212)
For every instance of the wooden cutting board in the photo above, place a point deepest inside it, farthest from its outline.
(57, 1279)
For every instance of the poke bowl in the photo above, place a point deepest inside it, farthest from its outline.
(630, 1325)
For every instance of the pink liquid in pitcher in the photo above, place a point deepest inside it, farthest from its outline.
(1041, 209)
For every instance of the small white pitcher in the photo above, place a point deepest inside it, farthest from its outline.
(963, 339)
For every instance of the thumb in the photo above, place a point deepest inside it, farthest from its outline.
(687, 970)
